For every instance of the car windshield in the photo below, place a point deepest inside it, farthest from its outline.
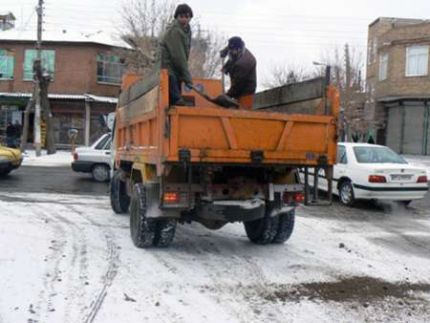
(370, 155)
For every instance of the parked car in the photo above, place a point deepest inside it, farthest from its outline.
(373, 172)
(94, 159)
(10, 159)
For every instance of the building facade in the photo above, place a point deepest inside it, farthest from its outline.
(85, 82)
(398, 83)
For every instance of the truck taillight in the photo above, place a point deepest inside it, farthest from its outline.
(422, 179)
(377, 179)
(297, 197)
(75, 156)
(171, 197)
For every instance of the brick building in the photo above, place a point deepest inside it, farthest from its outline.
(398, 83)
(86, 73)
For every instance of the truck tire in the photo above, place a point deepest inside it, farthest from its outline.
(262, 231)
(119, 200)
(142, 229)
(164, 232)
(285, 226)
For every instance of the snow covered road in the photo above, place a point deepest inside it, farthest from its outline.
(68, 258)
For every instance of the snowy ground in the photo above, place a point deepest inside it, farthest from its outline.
(68, 258)
(60, 158)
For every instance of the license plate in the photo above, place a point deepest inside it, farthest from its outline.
(401, 177)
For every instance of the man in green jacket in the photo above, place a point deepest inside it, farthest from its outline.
(175, 50)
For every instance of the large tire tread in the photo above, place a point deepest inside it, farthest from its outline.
(262, 231)
(119, 199)
(285, 227)
(142, 229)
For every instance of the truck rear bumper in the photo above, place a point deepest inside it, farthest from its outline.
(232, 211)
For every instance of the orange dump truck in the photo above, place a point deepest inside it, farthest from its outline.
(206, 163)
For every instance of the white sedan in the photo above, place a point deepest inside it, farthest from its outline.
(94, 159)
(374, 172)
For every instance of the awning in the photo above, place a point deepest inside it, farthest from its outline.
(54, 96)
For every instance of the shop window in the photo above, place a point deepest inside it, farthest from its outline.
(48, 63)
(7, 62)
(109, 69)
(417, 60)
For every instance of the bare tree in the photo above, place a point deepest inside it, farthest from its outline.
(44, 79)
(205, 61)
(145, 21)
(346, 75)
(283, 75)
(347, 65)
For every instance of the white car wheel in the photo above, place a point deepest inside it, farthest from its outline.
(346, 193)
(100, 173)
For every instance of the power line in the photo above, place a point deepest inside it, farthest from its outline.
(24, 26)
(97, 22)
(78, 7)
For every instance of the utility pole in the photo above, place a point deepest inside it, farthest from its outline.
(348, 93)
(37, 132)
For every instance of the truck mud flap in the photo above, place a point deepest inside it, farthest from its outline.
(232, 211)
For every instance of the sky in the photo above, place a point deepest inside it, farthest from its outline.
(279, 33)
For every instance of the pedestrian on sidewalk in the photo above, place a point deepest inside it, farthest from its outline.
(10, 135)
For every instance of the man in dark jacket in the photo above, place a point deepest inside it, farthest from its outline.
(242, 69)
(175, 50)
(10, 135)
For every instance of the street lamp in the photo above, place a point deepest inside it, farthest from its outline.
(342, 117)
(327, 71)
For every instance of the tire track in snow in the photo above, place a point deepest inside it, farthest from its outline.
(217, 260)
(78, 269)
(44, 304)
(108, 278)
(112, 265)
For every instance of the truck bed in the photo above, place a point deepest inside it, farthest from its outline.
(216, 135)
(149, 131)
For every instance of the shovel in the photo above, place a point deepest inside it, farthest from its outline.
(222, 100)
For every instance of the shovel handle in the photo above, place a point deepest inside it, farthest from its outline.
(201, 93)
(222, 76)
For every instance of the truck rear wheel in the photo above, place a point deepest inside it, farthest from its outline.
(262, 231)
(142, 229)
(119, 199)
(285, 226)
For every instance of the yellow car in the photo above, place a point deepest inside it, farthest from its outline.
(10, 159)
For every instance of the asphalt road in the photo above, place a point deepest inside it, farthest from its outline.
(62, 180)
